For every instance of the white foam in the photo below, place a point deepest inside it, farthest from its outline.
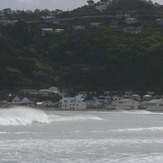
(139, 129)
(22, 116)
(1, 133)
(74, 118)
(132, 112)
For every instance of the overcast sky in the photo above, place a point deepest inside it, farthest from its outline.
(49, 4)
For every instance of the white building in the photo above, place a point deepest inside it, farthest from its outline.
(127, 95)
(94, 103)
(16, 101)
(154, 105)
(131, 20)
(47, 31)
(114, 103)
(103, 5)
(26, 101)
(5, 21)
(127, 104)
(147, 97)
(132, 30)
(48, 17)
(30, 91)
(136, 97)
(90, 2)
(59, 30)
(78, 27)
(45, 91)
(72, 103)
(47, 103)
(54, 90)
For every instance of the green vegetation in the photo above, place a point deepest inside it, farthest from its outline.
(90, 59)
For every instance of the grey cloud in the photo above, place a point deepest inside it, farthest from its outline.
(42, 4)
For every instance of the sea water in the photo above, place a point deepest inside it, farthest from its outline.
(36, 136)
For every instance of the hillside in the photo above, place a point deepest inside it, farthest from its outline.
(88, 59)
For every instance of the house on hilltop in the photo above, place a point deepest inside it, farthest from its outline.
(90, 2)
(102, 6)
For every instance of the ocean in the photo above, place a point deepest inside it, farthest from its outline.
(36, 136)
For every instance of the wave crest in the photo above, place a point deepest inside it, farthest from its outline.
(22, 116)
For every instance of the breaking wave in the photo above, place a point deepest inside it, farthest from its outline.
(74, 118)
(22, 116)
(26, 116)
(139, 129)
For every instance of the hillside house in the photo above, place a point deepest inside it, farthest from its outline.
(132, 30)
(131, 20)
(54, 90)
(8, 11)
(59, 30)
(127, 95)
(156, 5)
(45, 91)
(47, 17)
(29, 91)
(102, 6)
(159, 21)
(147, 97)
(78, 27)
(96, 24)
(5, 21)
(47, 31)
(90, 2)
(136, 97)
(113, 23)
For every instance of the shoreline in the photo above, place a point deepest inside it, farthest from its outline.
(82, 110)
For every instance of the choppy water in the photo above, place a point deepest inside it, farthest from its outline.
(30, 135)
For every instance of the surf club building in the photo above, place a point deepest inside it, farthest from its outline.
(73, 103)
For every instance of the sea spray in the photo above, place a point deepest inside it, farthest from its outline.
(74, 118)
(22, 116)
